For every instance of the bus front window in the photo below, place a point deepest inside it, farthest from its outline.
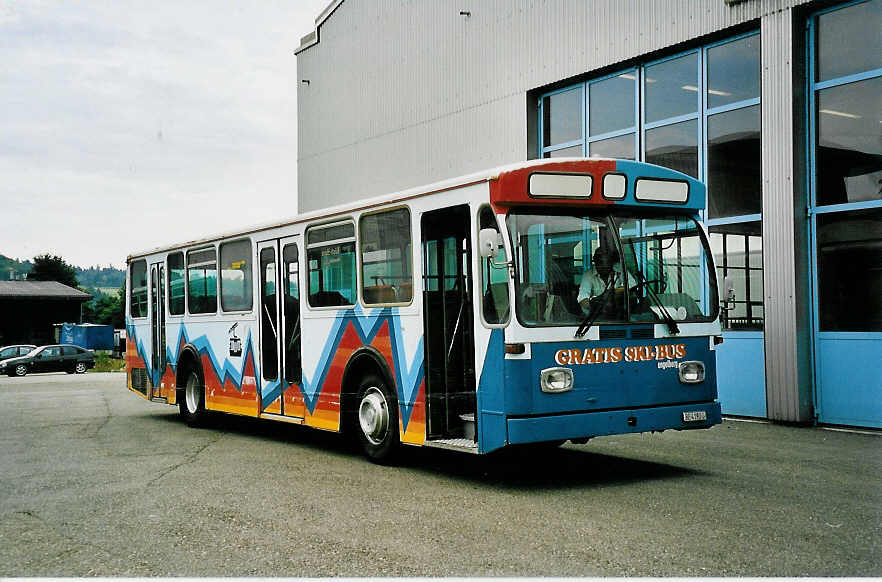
(577, 267)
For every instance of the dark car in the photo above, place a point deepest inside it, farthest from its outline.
(58, 358)
(7, 352)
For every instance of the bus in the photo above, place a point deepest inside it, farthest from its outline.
(536, 303)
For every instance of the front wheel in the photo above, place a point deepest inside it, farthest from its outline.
(377, 420)
(21, 370)
(192, 402)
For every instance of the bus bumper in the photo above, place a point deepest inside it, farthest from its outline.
(591, 424)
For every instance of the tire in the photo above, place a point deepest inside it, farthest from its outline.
(191, 400)
(80, 368)
(376, 420)
(21, 370)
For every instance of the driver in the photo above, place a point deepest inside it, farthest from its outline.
(606, 272)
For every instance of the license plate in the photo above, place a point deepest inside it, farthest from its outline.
(694, 415)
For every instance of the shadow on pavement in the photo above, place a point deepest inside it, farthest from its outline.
(523, 467)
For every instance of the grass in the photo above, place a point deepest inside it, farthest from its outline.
(104, 363)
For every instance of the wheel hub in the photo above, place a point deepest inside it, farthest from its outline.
(373, 416)
(191, 394)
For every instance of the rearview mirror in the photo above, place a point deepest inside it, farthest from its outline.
(730, 289)
(488, 242)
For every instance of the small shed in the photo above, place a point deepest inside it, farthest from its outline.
(28, 310)
(91, 336)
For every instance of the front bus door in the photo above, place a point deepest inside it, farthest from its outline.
(280, 328)
(448, 319)
(157, 328)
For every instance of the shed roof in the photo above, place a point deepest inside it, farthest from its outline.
(40, 290)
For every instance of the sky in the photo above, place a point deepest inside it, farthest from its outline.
(130, 124)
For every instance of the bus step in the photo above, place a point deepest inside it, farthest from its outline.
(464, 445)
(279, 417)
(160, 399)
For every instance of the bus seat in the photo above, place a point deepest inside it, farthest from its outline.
(379, 294)
(405, 291)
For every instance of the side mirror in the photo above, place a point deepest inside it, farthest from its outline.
(488, 242)
(730, 289)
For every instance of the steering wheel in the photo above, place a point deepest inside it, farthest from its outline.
(662, 284)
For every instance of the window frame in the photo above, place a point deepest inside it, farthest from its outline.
(408, 259)
(216, 281)
(249, 286)
(309, 246)
(131, 290)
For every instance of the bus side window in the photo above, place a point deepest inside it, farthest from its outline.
(494, 277)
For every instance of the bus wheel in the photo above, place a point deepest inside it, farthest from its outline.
(377, 420)
(192, 402)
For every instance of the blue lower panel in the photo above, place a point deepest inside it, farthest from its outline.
(741, 374)
(591, 424)
(850, 379)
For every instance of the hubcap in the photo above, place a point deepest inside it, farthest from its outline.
(373, 416)
(81, 368)
(21, 369)
(191, 393)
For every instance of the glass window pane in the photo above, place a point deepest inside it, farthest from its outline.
(850, 270)
(849, 40)
(734, 179)
(236, 275)
(562, 117)
(291, 306)
(734, 247)
(138, 289)
(623, 147)
(202, 281)
(671, 88)
(386, 273)
(494, 275)
(332, 275)
(269, 315)
(176, 284)
(570, 152)
(849, 156)
(733, 71)
(611, 104)
(674, 146)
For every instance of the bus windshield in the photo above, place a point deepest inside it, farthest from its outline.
(610, 269)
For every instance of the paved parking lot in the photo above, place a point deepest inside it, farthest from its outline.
(96, 481)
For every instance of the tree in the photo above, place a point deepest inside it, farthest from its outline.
(53, 268)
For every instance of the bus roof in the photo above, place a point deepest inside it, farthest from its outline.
(519, 173)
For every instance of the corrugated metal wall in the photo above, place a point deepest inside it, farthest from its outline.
(788, 387)
(408, 92)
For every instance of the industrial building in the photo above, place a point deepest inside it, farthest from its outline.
(775, 104)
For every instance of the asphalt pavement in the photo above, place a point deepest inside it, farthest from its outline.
(95, 481)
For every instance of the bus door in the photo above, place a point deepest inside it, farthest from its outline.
(448, 318)
(280, 359)
(157, 327)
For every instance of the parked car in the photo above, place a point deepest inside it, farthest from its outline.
(58, 358)
(7, 352)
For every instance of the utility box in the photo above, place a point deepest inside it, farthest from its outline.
(88, 335)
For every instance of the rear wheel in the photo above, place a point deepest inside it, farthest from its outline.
(21, 370)
(80, 368)
(377, 420)
(192, 402)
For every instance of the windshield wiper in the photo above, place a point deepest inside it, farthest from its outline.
(600, 301)
(672, 325)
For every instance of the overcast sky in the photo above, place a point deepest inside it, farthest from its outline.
(126, 125)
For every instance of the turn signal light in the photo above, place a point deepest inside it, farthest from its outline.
(516, 349)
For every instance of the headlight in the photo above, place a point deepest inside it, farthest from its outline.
(691, 372)
(2, 364)
(554, 380)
